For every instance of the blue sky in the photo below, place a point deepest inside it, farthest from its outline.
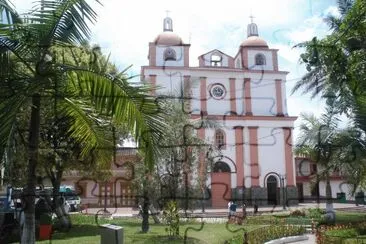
(125, 28)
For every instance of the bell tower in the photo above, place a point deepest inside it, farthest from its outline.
(168, 49)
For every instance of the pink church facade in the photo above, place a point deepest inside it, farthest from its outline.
(246, 94)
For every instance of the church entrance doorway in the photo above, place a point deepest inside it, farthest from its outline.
(220, 185)
(272, 190)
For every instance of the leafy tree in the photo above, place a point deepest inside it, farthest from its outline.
(336, 71)
(317, 142)
(82, 95)
(180, 150)
(336, 64)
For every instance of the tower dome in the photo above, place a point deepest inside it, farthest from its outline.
(253, 39)
(167, 37)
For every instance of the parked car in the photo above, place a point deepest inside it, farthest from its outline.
(73, 200)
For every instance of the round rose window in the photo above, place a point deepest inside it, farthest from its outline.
(217, 91)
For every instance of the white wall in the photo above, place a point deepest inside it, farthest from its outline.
(238, 63)
(337, 187)
(251, 60)
(271, 152)
(263, 93)
(239, 95)
(221, 106)
(284, 97)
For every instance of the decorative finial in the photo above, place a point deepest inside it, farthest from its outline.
(252, 29)
(251, 18)
(168, 22)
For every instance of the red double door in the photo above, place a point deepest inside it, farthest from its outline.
(220, 189)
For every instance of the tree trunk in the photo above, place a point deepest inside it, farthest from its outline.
(28, 233)
(145, 211)
(330, 214)
(328, 193)
(58, 202)
(146, 203)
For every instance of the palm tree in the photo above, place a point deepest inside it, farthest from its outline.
(335, 22)
(317, 142)
(335, 63)
(83, 95)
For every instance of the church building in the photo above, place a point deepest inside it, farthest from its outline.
(246, 94)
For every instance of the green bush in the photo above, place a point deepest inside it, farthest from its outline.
(171, 218)
(335, 233)
(361, 228)
(315, 213)
(298, 213)
(344, 233)
(269, 233)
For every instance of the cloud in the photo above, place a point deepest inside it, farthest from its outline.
(127, 27)
(124, 29)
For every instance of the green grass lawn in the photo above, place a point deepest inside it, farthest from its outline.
(348, 217)
(85, 230)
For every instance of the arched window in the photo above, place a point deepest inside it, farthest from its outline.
(219, 139)
(272, 180)
(169, 54)
(216, 60)
(260, 59)
(221, 167)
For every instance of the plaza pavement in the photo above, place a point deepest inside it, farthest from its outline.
(311, 240)
(210, 212)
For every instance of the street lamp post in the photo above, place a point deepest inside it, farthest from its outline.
(105, 197)
(283, 177)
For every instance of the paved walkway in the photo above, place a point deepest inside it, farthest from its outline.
(311, 240)
(121, 212)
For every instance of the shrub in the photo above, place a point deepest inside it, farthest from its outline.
(298, 213)
(171, 218)
(335, 233)
(269, 233)
(361, 228)
(315, 213)
(344, 233)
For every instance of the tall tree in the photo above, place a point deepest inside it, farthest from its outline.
(81, 94)
(336, 64)
(317, 142)
(336, 70)
(179, 158)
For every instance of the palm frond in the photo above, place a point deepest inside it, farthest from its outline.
(84, 127)
(344, 6)
(333, 22)
(9, 109)
(64, 21)
(21, 50)
(126, 104)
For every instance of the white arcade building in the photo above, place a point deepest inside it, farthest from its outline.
(246, 93)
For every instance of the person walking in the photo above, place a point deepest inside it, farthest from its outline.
(229, 208)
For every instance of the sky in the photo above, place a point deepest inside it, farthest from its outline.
(124, 29)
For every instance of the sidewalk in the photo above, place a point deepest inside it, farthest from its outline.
(129, 212)
(311, 240)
